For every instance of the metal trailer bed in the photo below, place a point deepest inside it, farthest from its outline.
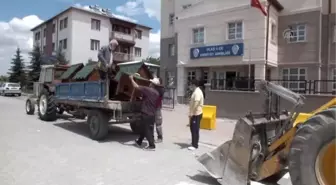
(91, 99)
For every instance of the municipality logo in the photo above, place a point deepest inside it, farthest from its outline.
(195, 52)
(235, 49)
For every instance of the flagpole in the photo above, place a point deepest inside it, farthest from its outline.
(267, 38)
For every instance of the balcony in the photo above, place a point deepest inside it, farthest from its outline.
(122, 57)
(123, 37)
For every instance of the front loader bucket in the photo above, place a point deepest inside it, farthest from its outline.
(229, 163)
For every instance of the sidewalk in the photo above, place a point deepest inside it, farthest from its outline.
(175, 128)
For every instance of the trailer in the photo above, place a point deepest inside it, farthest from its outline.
(82, 93)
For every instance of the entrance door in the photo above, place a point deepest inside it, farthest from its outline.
(230, 77)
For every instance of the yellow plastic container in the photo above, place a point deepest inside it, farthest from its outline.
(208, 121)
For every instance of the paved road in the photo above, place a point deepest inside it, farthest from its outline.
(33, 152)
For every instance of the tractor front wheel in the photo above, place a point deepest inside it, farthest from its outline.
(312, 153)
(30, 107)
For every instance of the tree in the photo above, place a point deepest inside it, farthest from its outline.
(35, 64)
(152, 60)
(3, 78)
(61, 57)
(17, 73)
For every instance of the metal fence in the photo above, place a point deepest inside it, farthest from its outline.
(298, 86)
(169, 98)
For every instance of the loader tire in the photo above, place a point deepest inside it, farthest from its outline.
(46, 106)
(98, 124)
(312, 152)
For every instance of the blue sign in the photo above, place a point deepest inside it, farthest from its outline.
(236, 49)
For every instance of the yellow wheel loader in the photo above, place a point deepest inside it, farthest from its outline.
(266, 144)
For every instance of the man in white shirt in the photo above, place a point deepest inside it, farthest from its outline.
(195, 113)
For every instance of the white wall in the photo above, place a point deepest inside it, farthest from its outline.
(167, 7)
(297, 6)
(65, 33)
(82, 33)
(142, 43)
(215, 25)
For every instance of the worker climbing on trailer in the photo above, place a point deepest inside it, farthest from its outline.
(105, 57)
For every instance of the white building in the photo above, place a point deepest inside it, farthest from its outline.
(80, 33)
(216, 41)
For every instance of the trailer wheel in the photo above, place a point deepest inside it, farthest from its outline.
(30, 107)
(312, 153)
(46, 106)
(136, 127)
(98, 124)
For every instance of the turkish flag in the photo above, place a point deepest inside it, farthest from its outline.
(257, 4)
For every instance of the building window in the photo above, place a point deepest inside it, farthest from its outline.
(334, 79)
(44, 32)
(171, 18)
(138, 52)
(198, 35)
(37, 35)
(138, 34)
(61, 24)
(95, 45)
(54, 28)
(171, 50)
(294, 79)
(191, 76)
(63, 44)
(298, 33)
(273, 33)
(205, 76)
(65, 22)
(95, 24)
(53, 46)
(235, 30)
(44, 48)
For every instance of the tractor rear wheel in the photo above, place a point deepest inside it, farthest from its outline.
(46, 106)
(312, 153)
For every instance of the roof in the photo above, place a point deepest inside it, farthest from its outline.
(87, 11)
(151, 65)
(71, 70)
(128, 68)
(85, 71)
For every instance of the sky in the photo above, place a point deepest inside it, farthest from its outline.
(17, 17)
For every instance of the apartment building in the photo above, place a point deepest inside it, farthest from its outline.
(216, 40)
(80, 33)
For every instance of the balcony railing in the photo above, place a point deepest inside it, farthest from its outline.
(123, 36)
(122, 57)
(298, 86)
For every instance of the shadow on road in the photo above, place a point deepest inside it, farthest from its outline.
(116, 133)
(182, 145)
(204, 179)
